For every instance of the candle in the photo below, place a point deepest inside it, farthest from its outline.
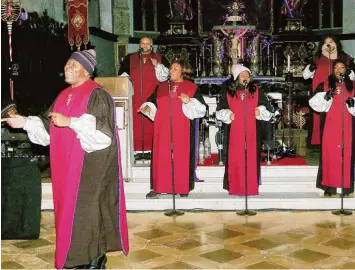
(273, 59)
(268, 50)
(288, 63)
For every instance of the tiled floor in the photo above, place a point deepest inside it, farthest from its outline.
(205, 240)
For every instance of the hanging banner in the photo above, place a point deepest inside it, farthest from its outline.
(78, 27)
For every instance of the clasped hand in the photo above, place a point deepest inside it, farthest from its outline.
(257, 113)
(59, 119)
(145, 109)
(184, 98)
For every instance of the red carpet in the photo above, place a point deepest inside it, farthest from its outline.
(297, 161)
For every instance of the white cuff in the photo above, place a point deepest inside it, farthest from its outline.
(194, 109)
(319, 104)
(264, 115)
(224, 116)
(36, 131)
(90, 138)
(124, 74)
(153, 110)
(351, 110)
(307, 73)
(161, 72)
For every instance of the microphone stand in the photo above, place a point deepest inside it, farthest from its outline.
(141, 92)
(342, 211)
(172, 212)
(246, 211)
(329, 64)
(288, 83)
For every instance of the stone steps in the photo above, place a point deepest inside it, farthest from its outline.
(283, 187)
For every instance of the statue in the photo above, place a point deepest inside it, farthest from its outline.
(293, 8)
(235, 12)
(218, 53)
(236, 50)
(180, 10)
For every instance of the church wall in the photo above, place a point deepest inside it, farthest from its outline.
(54, 8)
(105, 52)
(349, 25)
(348, 16)
(349, 47)
(100, 11)
(105, 12)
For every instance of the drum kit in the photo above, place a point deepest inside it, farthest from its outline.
(213, 91)
(271, 148)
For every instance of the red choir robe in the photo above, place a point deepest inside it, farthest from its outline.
(88, 195)
(183, 130)
(234, 176)
(321, 74)
(131, 65)
(329, 171)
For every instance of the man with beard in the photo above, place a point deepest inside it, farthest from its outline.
(87, 183)
(141, 67)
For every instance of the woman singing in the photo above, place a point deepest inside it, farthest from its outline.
(327, 99)
(186, 104)
(237, 94)
(329, 50)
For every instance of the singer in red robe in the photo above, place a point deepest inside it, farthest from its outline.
(230, 110)
(329, 50)
(140, 66)
(88, 196)
(183, 106)
(328, 101)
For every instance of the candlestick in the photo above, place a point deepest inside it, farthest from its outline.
(288, 63)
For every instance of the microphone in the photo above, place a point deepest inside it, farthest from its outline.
(169, 78)
(140, 50)
(328, 45)
(245, 83)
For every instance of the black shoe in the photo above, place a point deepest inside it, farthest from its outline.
(147, 156)
(98, 263)
(184, 195)
(346, 194)
(152, 195)
(327, 194)
(138, 156)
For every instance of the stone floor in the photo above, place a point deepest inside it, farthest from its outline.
(210, 240)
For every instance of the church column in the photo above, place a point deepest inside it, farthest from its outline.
(122, 14)
(348, 16)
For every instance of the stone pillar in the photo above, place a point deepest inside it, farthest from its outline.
(121, 24)
(348, 16)
(106, 15)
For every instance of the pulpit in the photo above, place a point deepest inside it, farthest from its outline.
(122, 90)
